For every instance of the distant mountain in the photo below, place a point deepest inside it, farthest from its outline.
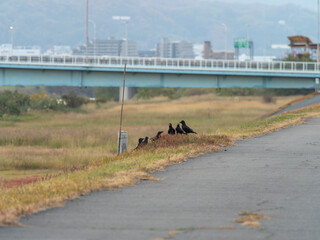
(62, 22)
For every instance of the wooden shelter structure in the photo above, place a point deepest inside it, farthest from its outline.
(302, 45)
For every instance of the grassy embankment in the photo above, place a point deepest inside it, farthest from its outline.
(79, 148)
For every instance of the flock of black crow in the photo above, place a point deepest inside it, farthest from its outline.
(184, 129)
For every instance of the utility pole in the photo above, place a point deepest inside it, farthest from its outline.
(87, 29)
(318, 37)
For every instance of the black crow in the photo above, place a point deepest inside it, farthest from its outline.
(157, 136)
(186, 128)
(179, 130)
(171, 130)
(144, 142)
(139, 144)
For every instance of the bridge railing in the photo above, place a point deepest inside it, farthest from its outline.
(162, 63)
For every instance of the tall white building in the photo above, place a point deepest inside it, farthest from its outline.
(164, 48)
(177, 49)
(128, 48)
(109, 47)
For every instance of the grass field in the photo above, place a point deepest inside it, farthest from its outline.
(76, 151)
(43, 141)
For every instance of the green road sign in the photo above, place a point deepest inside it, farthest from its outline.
(242, 43)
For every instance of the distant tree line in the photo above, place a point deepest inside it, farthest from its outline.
(174, 93)
(15, 103)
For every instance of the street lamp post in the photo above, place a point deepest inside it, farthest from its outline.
(285, 28)
(283, 23)
(125, 20)
(248, 47)
(94, 36)
(11, 32)
(226, 40)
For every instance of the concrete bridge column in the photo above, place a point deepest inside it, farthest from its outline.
(129, 93)
(317, 85)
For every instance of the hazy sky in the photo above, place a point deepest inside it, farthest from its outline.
(310, 4)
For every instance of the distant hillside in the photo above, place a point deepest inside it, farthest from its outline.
(62, 22)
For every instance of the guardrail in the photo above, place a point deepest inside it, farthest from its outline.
(163, 63)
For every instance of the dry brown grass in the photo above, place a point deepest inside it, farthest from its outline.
(174, 233)
(112, 173)
(250, 219)
(65, 140)
(32, 158)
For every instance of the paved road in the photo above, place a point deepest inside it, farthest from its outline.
(277, 175)
(299, 105)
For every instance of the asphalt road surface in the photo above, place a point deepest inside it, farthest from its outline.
(305, 103)
(277, 175)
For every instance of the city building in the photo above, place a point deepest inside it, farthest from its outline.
(8, 49)
(222, 54)
(198, 51)
(109, 47)
(182, 49)
(164, 48)
(128, 48)
(208, 53)
(176, 49)
(59, 50)
(207, 50)
(147, 53)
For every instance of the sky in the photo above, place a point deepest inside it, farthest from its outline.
(310, 4)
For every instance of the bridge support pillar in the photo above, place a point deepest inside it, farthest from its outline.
(129, 93)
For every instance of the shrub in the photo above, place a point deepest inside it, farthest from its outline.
(41, 101)
(104, 94)
(268, 98)
(13, 103)
(74, 101)
(171, 93)
(238, 92)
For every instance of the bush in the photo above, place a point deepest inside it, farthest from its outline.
(41, 101)
(171, 93)
(74, 101)
(238, 92)
(13, 103)
(299, 58)
(268, 98)
(288, 92)
(104, 94)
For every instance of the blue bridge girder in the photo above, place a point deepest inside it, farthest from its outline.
(107, 71)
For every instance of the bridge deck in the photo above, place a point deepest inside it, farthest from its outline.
(155, 72)
(163, 63)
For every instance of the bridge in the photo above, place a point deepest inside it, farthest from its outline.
(107, 71)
